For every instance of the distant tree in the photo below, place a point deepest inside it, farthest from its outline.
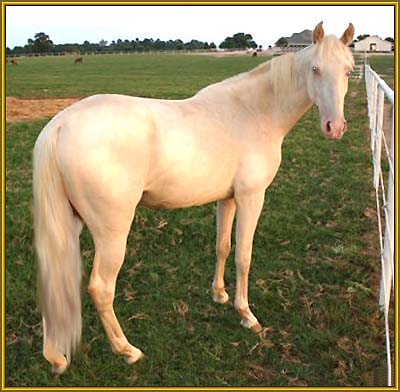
(207, 46)
(195, 44)
(282, 42)
(228, 43)
(159, 45)
(148, 44)
(238, 41)
(362, 36)
(390, 39)
(41, 44)
(18, 50)
(179, 45)
(29, 45)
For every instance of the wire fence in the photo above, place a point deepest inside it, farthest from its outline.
(382, 143)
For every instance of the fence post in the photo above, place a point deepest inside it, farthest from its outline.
(388, 247)
(378, 126)
(377, 89)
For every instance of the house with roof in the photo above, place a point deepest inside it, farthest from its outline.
(299, 40)
(295, 42)
(373, 44)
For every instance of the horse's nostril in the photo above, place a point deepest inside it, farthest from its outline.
(328, 126)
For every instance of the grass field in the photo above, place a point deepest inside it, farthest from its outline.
(384, 66)
(314, 279)
(140, 75)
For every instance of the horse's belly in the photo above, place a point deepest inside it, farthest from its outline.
(182, 198)
(182, 188)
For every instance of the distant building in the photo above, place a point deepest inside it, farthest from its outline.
(373, 44)
(296, 41)
(300, 40)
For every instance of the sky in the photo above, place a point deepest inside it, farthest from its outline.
(266, 23)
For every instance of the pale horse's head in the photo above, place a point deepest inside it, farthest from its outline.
(329, 67)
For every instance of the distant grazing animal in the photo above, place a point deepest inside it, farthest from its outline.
(78, 60)
(254, 54)
(13, 62)
(95, 161)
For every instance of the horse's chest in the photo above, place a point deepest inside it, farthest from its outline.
(257, 170)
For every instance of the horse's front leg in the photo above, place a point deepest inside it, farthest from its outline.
(225, 215)
(249, 208)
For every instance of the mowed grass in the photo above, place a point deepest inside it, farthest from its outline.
(383, 66)
(314, 278)
(158, 76)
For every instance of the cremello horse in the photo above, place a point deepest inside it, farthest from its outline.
(98, 159)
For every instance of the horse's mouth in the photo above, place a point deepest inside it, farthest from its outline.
(334, 136)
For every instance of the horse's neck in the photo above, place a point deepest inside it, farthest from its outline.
(285, 100)
(278, 110)
(287, 112)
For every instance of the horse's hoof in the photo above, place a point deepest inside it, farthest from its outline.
(220, 297)
(59, 368)
(254, 326)
(135, 356)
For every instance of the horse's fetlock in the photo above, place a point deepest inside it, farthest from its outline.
(243, 310)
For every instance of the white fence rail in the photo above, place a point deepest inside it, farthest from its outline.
(382, 141)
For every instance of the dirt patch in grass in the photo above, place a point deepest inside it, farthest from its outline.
(34, 109)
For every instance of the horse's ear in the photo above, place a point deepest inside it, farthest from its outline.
(318, 33)
(348, 35)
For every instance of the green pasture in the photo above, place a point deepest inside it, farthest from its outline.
(384, 66)
(151, 75)
(314, 281)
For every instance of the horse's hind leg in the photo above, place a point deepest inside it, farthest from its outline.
(109, 256)
(225, 215)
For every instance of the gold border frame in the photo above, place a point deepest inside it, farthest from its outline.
(196, 2)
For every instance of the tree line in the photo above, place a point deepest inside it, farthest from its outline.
(41, 44)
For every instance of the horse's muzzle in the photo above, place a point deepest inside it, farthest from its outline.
(334, 130)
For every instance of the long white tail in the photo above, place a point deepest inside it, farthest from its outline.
(57, 231)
